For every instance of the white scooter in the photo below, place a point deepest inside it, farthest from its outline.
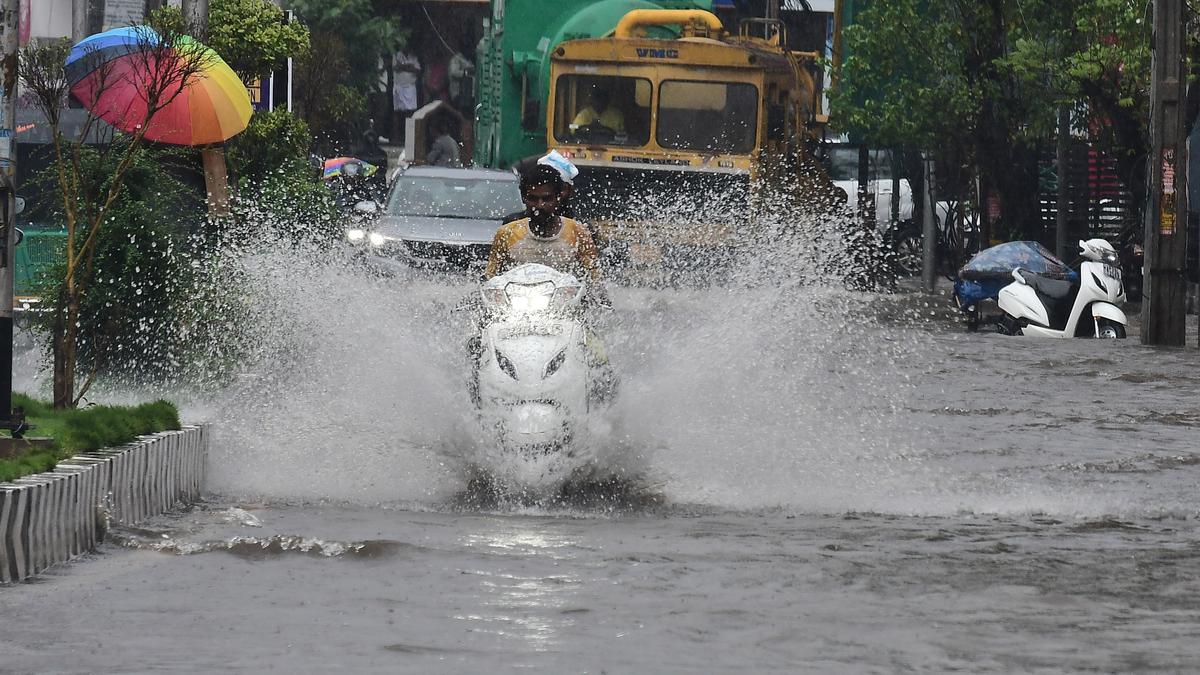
(541, 377)
(1044, 307)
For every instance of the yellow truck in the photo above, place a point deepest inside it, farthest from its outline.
(672, 136)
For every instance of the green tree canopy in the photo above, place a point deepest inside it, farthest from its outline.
(253, 36)
(981, 81)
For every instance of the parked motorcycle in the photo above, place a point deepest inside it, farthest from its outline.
(1041, 306)
(979, 281)
(542, 378)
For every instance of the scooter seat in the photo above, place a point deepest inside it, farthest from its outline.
(1055, 289)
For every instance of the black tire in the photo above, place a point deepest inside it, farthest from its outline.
(1008, 325)
(1111, 330)
(909, 252)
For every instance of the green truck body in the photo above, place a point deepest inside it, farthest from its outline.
(513, 66)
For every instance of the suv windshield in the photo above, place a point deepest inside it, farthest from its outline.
(602, 109)
(454, 197)
(713, 117)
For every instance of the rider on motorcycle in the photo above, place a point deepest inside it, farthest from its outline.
(543, 236)
(555, 241)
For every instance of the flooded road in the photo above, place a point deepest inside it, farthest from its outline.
(827, 482)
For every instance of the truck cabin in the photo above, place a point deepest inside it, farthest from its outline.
(671, 117)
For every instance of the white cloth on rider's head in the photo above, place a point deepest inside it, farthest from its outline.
(565, 168)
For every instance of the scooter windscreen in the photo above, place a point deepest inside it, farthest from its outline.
(531, 288)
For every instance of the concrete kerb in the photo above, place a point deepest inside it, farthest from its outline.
(49, 518)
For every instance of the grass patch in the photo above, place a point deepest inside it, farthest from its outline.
(83, 429)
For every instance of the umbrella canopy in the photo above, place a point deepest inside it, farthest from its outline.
(342, 165)
(109, 73)
(998, 262)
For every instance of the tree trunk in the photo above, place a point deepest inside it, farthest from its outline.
(62, 348)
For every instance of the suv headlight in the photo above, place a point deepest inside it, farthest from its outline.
(356, 235)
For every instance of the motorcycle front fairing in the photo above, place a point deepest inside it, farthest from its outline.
(533, 379)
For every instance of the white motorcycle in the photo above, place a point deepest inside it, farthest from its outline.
(541, 377)
(1044, 307)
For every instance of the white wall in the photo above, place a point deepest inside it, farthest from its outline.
(47, 18)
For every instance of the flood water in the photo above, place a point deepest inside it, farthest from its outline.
(817, 481)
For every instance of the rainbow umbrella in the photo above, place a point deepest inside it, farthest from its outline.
(212, 108)
(337, 167)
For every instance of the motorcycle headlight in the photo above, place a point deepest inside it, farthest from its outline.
(555, 364)
(356, 235)
(530, 298)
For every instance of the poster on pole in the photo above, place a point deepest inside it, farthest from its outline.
(1166, 197)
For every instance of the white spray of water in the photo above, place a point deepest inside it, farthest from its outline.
(778, 389)
(767, 391)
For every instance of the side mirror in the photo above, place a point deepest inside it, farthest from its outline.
(20, 205)
(367, 206)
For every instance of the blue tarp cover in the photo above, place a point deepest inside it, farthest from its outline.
(998, 262)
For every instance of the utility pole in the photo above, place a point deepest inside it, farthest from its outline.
(1060, 212)
(79, 20)
(195, 13)
(9, 42)
(928, 227)
(1165, 305)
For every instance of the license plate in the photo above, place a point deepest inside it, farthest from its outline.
(509, 332)
(1112, 272)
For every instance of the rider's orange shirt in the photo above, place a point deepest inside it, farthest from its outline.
(571, 250)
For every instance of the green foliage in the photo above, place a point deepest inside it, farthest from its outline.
(289, 204)
(349, 38)
(982, 82)
(252, 36)
(278, 193)
(80, 430)
(897, 91)
(168, 20)
(273, 139)
(148, 316)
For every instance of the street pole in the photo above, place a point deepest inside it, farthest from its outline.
(928, 228)
(195, 12)
(1165, 306)
(1060, 212)
(9, 43)
(290, 18)
(79, 20)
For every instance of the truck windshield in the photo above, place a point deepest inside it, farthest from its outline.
(712, 117)
(602, 109)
